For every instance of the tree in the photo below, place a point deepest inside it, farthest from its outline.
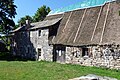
(41, 13)
(7, 13)
(23, 19)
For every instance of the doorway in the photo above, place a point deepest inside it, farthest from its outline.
(84, 52)
(59, 53)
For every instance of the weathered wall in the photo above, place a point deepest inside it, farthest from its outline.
(95, 56)
(26, 44)
(22, 45)
(42, 42)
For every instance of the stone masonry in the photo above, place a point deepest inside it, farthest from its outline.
(39, 39)
(104, 56)
(29, 42)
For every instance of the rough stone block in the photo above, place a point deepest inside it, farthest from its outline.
(93, 77)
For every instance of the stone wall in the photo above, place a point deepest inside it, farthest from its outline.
(40, 40)
(26, 44)
(22, 46)
(100, 56)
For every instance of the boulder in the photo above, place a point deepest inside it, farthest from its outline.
(93, 77)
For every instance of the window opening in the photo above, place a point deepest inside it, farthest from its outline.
(39, 33)
(39, 51)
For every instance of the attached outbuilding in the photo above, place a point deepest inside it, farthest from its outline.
(89, 36)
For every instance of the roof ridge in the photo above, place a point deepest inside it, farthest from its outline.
(81, 5)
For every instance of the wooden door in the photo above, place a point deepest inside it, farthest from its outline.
(59, 54)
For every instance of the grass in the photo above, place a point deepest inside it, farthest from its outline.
(49, 71)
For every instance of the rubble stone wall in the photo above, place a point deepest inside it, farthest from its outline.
(26, 44)
(42, 43)
(105, 56)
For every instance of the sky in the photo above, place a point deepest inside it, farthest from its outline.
(29, 7)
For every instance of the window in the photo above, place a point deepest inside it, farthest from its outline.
(31, 33)
(21, 49)
(39, 51)
(27, 49)
(60, 53)
(119, 13)
(39, 33)
(28, 34)
(84, 51)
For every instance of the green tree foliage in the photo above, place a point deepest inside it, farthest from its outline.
(7, 13)
(41, 13)
(23, 19)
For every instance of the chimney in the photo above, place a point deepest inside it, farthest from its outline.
(20, 25)
(118, 1)
(27, 23)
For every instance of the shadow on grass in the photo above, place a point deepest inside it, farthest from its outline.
(6, 56)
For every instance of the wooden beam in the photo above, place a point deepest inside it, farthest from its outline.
(97, 22)
(66, 25)
(79, 26)
(105, 23)
(67, 21)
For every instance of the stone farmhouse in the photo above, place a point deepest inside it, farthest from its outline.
(88, 36)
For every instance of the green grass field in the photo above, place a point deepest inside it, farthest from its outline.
(49, 71)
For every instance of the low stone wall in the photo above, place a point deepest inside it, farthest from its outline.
(100, 62)
(106, 57)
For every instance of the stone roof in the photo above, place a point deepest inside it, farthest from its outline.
(21, 28)
(45, 23)
(38, 25)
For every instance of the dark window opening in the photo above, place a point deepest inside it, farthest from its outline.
(39, 33)
(39, 52)
(119, 13)
(28, 49)
(84, 51)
